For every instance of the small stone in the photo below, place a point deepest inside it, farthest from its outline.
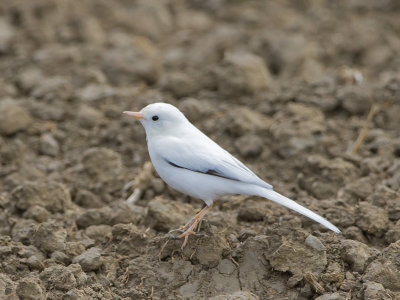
(49, 145)
(29, 289)
(50, 237)
(13, 117)
(315, 243)
(90, 260)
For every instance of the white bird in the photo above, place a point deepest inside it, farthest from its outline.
(192, 163)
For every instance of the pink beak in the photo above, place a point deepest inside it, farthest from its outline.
(134, 114)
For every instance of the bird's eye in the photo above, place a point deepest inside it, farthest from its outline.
(155, 118)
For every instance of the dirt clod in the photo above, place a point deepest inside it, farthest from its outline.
(90, 260)
(13, 117)
(50, 237)
(357, 254)
(29, 289)
(53, 196)
(165, 215)
(297, 258)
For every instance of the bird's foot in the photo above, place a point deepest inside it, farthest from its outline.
(183, 228)
(190, 227)
(186, 235)
(190, 231)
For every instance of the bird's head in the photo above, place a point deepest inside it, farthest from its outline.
(159, 118)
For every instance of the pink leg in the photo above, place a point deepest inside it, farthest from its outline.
(200, 213)
(193, 224)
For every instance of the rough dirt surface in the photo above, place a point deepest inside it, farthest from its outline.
(286, 86)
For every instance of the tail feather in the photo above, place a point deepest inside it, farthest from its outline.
(280, 199)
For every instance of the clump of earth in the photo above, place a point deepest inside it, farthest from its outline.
(306, 93)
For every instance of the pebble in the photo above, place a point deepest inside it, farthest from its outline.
(315, 243)
(49, 145)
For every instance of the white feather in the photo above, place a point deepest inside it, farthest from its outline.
(282, 200)
(192, 163)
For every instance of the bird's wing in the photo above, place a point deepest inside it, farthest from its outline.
(201, 154)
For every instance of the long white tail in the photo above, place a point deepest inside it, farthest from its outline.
(278, 198)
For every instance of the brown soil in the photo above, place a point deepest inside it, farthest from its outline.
(286, 86)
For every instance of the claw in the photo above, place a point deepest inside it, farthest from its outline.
(172, 237)
(176, 230)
